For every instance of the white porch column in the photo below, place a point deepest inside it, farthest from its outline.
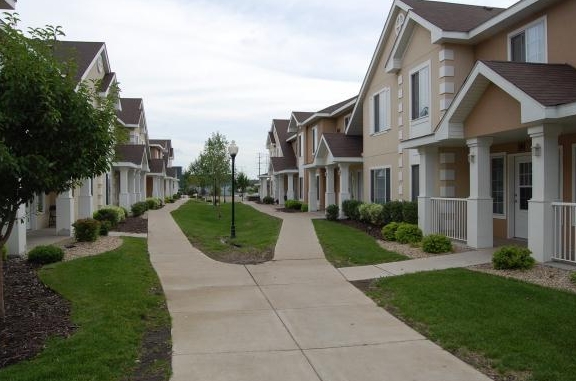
(428, 173)
(344, 193)
(131, 188)
(85, 205)
(479, 213)
(155, 192)
(16, 243)
(137, 183)
(544, 191)
(64, 213)
(281, 190)
(312, 202)
(262, 190)
(330, 196)
(290, 192)
(124, 195)
(143, 187)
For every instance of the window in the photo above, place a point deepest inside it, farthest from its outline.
(301, 187)
(415, 182)
(381, 111)
(420, 87)
(380, 185)
(314, 139)
(498, 179)
(300, 144)
(529, 43)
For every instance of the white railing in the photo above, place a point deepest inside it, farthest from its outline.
(564, 248)
(449, 217)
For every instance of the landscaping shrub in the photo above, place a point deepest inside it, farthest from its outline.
(332, 212)
(436, 243)
(350, 209)
(86, 230)
(389, 231)
(114, 214)
(168, 200)
(43, 255)
(363, 214)
(573, 277)
(396, 211)
(126, 213)
(385, 215)
(139, 208)
(269, 200)
(375, 214)
(512, 257)
(153, 203)
(304, 208)
(293, 204)
(105, 227)
(408, 233)
(410, 212)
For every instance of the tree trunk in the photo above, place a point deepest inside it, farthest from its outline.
(3, 240)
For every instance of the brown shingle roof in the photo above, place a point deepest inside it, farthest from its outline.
(131, 110)
(83, 53)
(289, 159)
(452, 16)
(334, 107)
(283, 163)
(157, 165)
(301, 116)
(107, 82)
(341, 145)
(549, 84)
(171, 172)
(131, 153)
(271, 136)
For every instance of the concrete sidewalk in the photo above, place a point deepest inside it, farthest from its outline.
(292, 319)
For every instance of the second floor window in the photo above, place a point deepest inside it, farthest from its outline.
(529, 44)
(420, 93)
(314, 139)
(381, 111)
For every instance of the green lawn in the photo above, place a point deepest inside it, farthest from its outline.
(346, 246)
(115, 298)
(521, 328)
(208, 228)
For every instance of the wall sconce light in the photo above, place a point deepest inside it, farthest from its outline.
(536, 150)
(471, 158)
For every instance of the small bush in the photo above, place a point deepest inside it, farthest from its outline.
(385, 215)
(512, 257)
(304, 208)
(126, 213)
(396, 211)
(350, 209)
(168, 200)
(86, 230)
(268, 200)
(105, 227)
(410, 212)
(363, 213)
(573, 278)
(408, 233)
(389, 231)
(114, 214)
(375, 213)
(332, 212)
(139, 208)
(293, 204)
(43, 255)
(436, 243)
(153, 203)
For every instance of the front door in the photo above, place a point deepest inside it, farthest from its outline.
(522, 194)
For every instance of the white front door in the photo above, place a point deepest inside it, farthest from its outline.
(522, 193)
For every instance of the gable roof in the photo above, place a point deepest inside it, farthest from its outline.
(331, 111)
(452, 17)
(130, 153)
(549, 84)
(341, 145)
(131, 111)
(82, 52)
(107, 81)
(157, 166)
(288, 159)
(280, 164)
(301, 116)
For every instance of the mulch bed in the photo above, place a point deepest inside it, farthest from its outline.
(365, 227)
(132, 225)
(33, 314)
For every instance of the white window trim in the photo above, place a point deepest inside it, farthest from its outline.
(314, 139)
(502, 216)
(388, 122)
(543, 19)
(424, 119)
(371, 179)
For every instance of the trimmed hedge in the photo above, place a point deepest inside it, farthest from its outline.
(304, 208)
(139, 208)
(114, 214)
(105, 227)
(389, 231)
(154, 203)
(408, 233)
(332, 212)
(293, 204)
(269, 200)
(350, 209)
(436, 243)
(513, 257)
(87, 230)
(43, 255)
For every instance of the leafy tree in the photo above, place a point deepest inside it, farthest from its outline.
(54, 132)
(212, 167)
(242, 183)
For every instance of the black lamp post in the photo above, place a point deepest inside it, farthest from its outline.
(233, 151)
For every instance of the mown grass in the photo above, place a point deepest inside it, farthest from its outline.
(208, 228)
(346, 246)
(116, 297)
(522, 329)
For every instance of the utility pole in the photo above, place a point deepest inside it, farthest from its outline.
(262, 158)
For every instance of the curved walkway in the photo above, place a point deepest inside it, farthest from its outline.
(293, 319)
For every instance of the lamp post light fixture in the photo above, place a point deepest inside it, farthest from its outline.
(233, 151)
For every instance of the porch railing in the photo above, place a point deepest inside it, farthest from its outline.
(564, 233)
(449, 217)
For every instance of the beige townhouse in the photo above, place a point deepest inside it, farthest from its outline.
(474, 115)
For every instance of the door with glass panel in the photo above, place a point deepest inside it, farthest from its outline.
(522, 194)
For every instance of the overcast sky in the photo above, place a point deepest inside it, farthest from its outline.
(231, 66)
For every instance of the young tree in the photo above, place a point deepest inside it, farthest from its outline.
(54, 132)
(242, 183)
(212, 167)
